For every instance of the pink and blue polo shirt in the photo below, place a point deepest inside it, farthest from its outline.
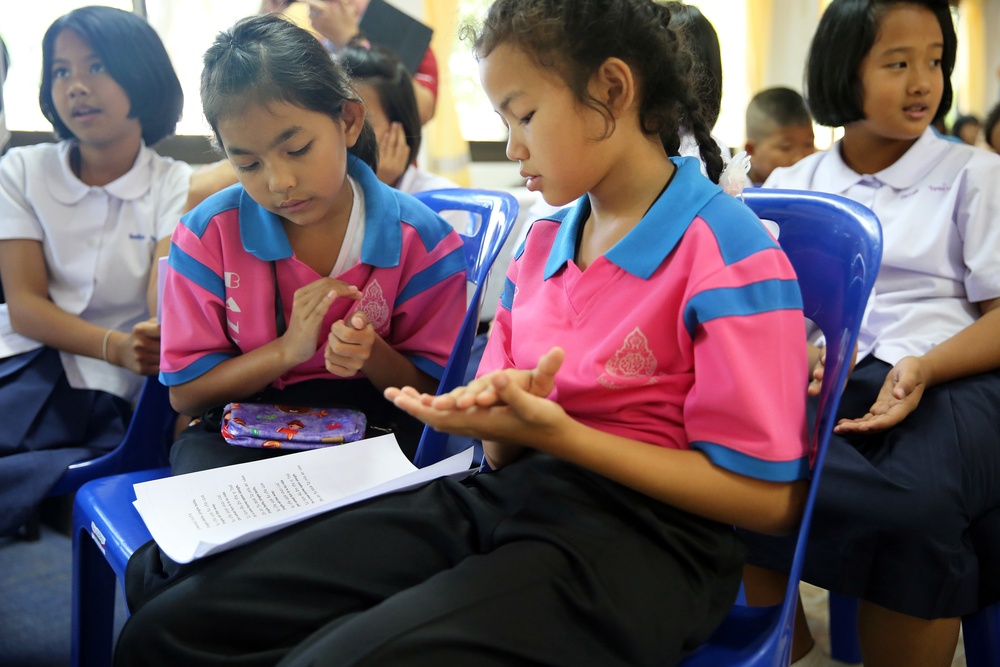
(219, 298)
(688, 333)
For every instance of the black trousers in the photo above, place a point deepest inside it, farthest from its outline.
(540, 563)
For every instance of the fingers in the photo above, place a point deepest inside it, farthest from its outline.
(359, 320)
(349, 345)
(543, 379)
(905, 381)
(149, 329)
(394, 154)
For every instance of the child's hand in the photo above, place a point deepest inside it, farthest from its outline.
(506, 406)
(337, 20)
(393, 154)
(349, 345)
(482, 391)
(309, 307)
(900, 394)
(817, 375)
(138, 351)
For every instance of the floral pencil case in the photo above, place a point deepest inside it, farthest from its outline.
(290, 427)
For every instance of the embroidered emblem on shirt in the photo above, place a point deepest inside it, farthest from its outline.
(232, 279)
(633, 365)
(375, 308)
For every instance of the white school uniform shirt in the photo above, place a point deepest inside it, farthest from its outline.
(98, 244)
(939, 207)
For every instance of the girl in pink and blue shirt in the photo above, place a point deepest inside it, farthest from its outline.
(309, 282)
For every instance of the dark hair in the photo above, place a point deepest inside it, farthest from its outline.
(265, 59)
(992, 118)
(961, 122)
(383, 71)
(843, 38)
(704, 44)
(573, 38)
(775, 108)
(134, 57)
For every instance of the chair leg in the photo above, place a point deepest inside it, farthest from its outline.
(93, 603)
(844, 629)
(981, 634)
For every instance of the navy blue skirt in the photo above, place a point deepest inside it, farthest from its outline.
(909, 518)
(47, 425)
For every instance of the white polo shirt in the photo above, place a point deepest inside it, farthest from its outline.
(98, 243)
(939, 206)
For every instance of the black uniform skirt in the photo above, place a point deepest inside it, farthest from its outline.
(907, 518)
(47, 425)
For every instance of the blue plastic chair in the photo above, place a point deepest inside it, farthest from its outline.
(103, 508)
(835, 246)
(143, 446)
(481, 249)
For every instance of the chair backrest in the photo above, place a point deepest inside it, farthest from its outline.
(494, 214)
(835, 247)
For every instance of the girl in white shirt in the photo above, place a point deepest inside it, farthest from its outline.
(913, 470)
(81, 225)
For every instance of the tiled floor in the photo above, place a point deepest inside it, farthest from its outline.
(814, 600)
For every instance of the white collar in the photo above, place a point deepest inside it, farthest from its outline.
(133, 184)
(904, 173)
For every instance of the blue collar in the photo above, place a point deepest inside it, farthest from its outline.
(644, 248)
(382, 246)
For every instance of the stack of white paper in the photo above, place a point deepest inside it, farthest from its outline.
(200, 513)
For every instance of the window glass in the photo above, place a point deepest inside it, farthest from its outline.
(187, 28)
(479, 123)
(23, 31)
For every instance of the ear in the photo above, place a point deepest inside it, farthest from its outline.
(614, 84)
(352, 120)
(749, 147)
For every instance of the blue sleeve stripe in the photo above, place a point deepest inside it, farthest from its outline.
(760, 297)
(197, 272)
(195, 369)
(427, 366)
(447, 266)
(744, 464)
(507, 295)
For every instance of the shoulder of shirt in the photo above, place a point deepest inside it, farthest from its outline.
(198, 218)
(32, 156)
(800, 172)
(430, 226)
(168, 164)
(738, 231)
